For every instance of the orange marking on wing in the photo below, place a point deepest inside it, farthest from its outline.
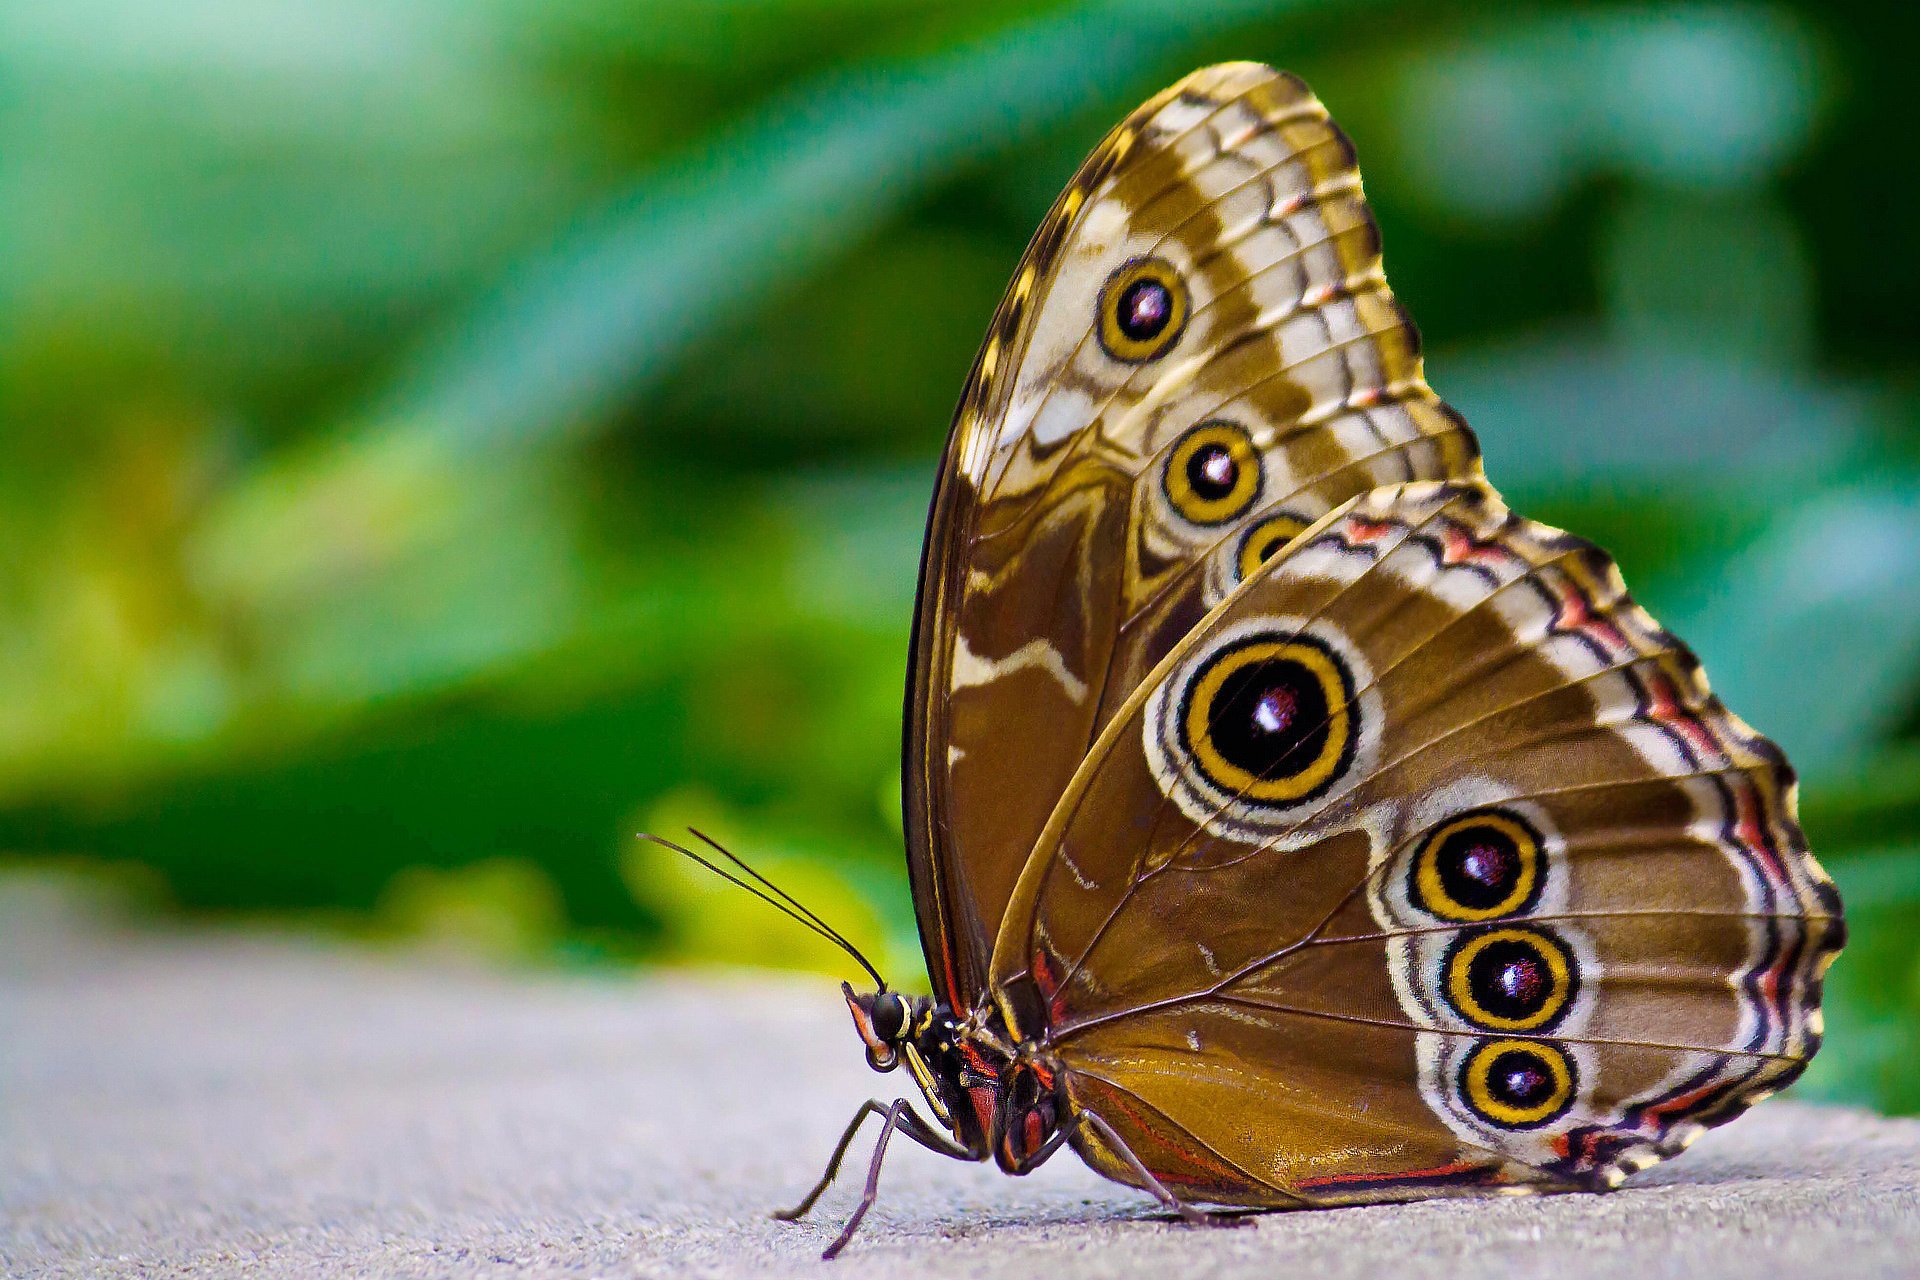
(1682, 1102)
(1747, 825)
(1575, 613)
(1410, 1175)
(1457, 546)
(954, 995)
(1049, 983)
(1145, 1130)
(1361, 532)
(1668, 710)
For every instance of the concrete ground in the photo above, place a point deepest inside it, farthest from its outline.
(220, 1106)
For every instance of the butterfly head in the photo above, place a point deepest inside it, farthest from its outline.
(886, 1021)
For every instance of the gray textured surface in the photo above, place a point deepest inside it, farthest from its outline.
(220, 1106)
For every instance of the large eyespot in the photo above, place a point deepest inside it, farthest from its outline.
(1510, 979)
(1478, 866)
(1517, 1084)
(1213, 473)
(1143, 308)
(1270, 719)
(1264, 540)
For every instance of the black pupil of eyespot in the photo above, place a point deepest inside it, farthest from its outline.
(1212, 471)
(1509, 979)
(1145, 306)
(1518, 1079)
(1478, 867)
(1270, 718)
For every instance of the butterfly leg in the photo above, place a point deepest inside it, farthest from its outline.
(894, 1114)
(1188, 1214)
(899, 1115)
(869, 1107)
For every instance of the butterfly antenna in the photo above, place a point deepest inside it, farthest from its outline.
(786, 897)
(784, 903)
(820, 926)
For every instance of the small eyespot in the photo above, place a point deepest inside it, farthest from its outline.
(1264, 541)
(1143, 309)
(1271, 719)
(1478, 866)
(1510, 979)
(1517, 1084)
(1213, 473)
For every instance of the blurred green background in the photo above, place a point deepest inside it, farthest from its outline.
(441, 439)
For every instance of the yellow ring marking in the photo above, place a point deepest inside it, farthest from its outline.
(1114, 338)
(1559, 977)
(1231, 777)
(1433, 892)
(1265, 540)
(1477, 1078)
(1246, 473)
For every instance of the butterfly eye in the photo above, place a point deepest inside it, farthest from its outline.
(1478, 866)
(1510, 979)
(1265, 539)
(1143, 308)
(1270, 719)
(1213, 473)
(1517, 1084)
(889, 1016)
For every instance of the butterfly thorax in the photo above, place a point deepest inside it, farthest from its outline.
(998, 1098)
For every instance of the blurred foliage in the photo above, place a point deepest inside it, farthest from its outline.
(437, 440)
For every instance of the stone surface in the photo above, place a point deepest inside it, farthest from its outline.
(221, 1106)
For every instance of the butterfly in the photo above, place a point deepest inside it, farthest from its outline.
(1289, 822)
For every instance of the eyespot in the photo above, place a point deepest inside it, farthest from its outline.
(1477, 866)
(1510, 979)
(1517, 1084)
(1143, 309)
(1270, 719)
(1265, 539)
(1213, 473)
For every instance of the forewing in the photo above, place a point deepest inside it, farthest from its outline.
(1198, 357)
(1426, 861)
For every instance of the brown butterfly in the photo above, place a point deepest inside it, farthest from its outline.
(1289, 822)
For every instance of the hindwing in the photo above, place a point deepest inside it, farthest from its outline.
(1198, 357)
(1427, 861)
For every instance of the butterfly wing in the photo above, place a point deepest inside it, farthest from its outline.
(1426, 862)
(1198, 357)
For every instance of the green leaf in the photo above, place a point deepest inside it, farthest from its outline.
(1873, 880)
(1813, 632)
(708, 233)
(1576, 408)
